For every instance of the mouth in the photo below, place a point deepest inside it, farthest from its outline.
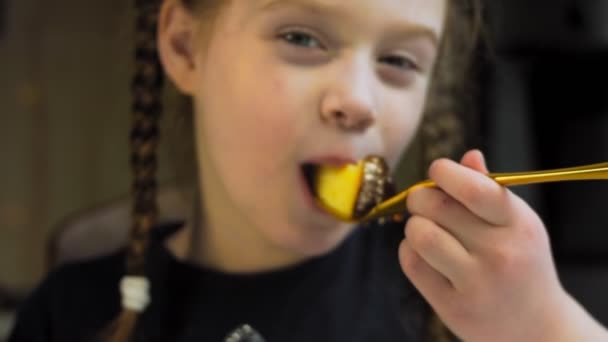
(349, 191)
(309, 172)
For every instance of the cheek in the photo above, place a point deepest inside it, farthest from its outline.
(405, 114)
(266, 116)
(274, 113)
(253, 122)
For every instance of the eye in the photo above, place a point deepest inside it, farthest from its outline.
(301, 39)
(400, 62)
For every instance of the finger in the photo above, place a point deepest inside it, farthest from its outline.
(475, 160)
(477, 192)
(432, 285)
(437, 206)
(438, 248)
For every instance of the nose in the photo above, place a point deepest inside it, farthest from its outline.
(348, 102)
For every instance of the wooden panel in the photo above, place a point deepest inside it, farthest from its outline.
(64, 123)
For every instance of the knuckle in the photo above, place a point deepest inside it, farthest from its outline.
(533, 232)
(410, 228)
(530, 234)
(441, 203)
(412, 202)
(473, 284)
(411, 262)
(437, 167)
(506, 259)
(475, 194)
(422, 236)
(462, 310)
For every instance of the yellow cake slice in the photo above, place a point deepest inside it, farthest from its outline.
(349, 192)
(337, 187)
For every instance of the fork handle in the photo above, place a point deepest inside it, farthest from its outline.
(395, 204)
(586, 172)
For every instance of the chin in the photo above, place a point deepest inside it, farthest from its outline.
(312, 242)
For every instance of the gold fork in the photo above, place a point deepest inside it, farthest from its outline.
(396, 204)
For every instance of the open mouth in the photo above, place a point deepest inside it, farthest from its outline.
(349, 191)
(309, 171)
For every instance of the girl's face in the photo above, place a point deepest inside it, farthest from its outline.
(284, 83)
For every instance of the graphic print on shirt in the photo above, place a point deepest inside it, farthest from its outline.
(244, 333)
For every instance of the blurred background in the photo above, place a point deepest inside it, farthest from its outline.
(65, 73)
(65, 69)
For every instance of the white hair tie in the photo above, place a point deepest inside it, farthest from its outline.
(135, 293)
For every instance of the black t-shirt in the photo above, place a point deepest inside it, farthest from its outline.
(355, 293)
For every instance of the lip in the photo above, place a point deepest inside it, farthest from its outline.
(331, 161)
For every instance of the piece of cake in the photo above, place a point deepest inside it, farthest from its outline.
(351, 191)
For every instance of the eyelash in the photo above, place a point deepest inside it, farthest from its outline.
(291, 38)
(400, 62)
(294, 38)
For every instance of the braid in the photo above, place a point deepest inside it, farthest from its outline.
(147, 90)
(442, 132)
(442, 136)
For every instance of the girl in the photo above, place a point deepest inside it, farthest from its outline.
(274, 85)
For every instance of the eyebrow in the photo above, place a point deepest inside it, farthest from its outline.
(408, 30)
(414, 30)
(311, 6)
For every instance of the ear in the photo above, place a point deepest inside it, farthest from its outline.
(177, 29)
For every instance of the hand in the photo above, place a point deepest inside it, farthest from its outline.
(481, 257)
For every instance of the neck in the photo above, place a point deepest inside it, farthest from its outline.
(227, 241)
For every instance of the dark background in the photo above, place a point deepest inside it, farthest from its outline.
(545, 105)
(546, 98)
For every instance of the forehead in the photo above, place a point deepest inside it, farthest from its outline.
(428, 14)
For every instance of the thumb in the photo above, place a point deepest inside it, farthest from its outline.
(475, 160)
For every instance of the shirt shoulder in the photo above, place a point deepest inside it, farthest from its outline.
(72, 302)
